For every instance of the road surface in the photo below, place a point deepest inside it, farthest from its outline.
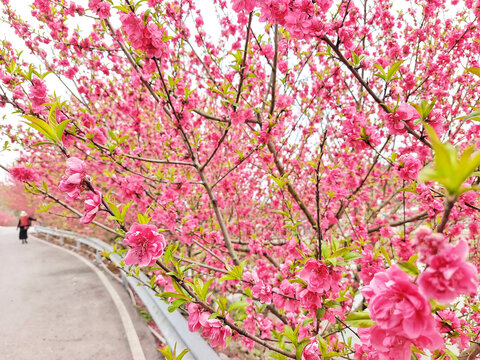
(54, 306)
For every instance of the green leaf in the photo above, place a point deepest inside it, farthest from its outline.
(41, 126)
(385, 255)
(451, 354)
(61, 128)
(238, 305)
(236, 273)
(182, 354)
(300, 347)
(40, 143)
(450, 170)
(474, 115)
(409, 268)
(291, 334)
(475, 71)
(176, 304)
(323, 346)
(169, 294)
(168, 254)
(340, 252)
(351, 255)
(393, 70)
(359, 319)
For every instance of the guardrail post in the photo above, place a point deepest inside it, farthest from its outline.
(98, 257)
(61, 240)
(78, 245)
(48, 237)
(124, 279)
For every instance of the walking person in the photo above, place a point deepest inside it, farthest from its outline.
(24, 223)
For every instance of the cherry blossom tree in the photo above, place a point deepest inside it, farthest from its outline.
(302, 182)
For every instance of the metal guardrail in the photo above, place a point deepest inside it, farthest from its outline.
(174, 326)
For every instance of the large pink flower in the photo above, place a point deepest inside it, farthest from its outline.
(401, 312)
(93, 200)
(71, 183)
(449, 275)
(146, 245)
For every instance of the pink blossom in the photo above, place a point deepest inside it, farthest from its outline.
(411, 167)
(369, 266)
(75, 173)
(146, 245)
(318, 277)
(311, 351)
(243, 5)
(381, 345)
(265, 325)
(75, 166)
(145, 37)
(263, 292)
(102, 9)
(24, 174)
(38, 95)
(99, 135)
(193, 317)
(401, 312)
(93, 200)
(309, 300)
(449, 275)
(213, 329)
(405, 114)
(427, 243)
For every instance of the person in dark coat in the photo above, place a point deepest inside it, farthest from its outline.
(24, 223)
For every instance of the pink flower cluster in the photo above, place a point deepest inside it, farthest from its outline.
(72, 183)
(449, 274)
(211, 328)
(320, 280)
(311, 351)
(404, 115)
(402, 316)
(262, 291)
(369, 266)
(427, 243)
(146, 245)
(24, 174)
(144, 37)
(38, 94)
(304, 19)
(101, 8)
(410, 168)
(400, 308)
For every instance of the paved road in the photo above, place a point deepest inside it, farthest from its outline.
(53, 306)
